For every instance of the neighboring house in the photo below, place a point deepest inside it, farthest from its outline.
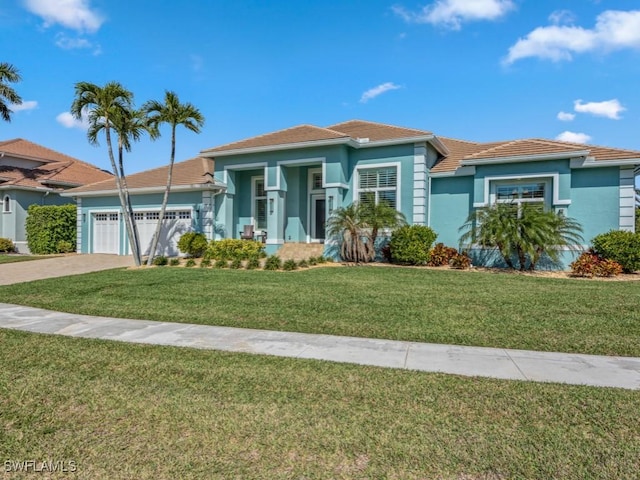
(285, 184)
(33, 174)
(101, 228)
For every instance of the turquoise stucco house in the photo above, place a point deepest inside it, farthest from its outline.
(282, 186)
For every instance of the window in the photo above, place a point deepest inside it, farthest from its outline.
(170, 215)
(259, 212)
(518, 193)
(138, 216)
(184, 215)
(153, 215)
(316, 180)
(378, 185)
(6, 206)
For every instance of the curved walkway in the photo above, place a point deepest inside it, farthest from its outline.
(577, 369)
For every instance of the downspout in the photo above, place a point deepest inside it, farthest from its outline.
(45, 196)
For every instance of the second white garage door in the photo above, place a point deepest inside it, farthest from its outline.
(175, 224)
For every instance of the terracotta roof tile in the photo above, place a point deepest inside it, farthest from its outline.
(55, 167)
(376, 131)
(189, 172)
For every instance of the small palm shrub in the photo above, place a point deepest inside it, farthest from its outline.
(411, 245)
(190, 263)
(219, 263)
(235, 264)
(622, 247)
(232, 248)
(460, 261)
(6, 246)
(440, 255)
(253, 263)
(174, 262)
(303, 264)
(321, 259)
(289, 265)
(205, 263)
(273, 263)
(193, 244)
(590, 264)
(313, 261)
(160, 261)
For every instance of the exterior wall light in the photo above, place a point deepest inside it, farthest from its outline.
(271, 206)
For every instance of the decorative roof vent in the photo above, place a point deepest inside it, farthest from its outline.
(362, 140)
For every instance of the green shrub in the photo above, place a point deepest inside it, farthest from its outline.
(190, 263)
(218, 264)
(160, 261)
(321, 259)
(65, 247)
(6, 246)
(440, 255)
(236, 264)
(303, 264)
(619, 246)
(48, 225)
(193, 244)
(253, 263)
(174, 262)
(313, 261)
(460, 261)
(410, 245)
(231, 249)
(205, 263)
(590, 264)
(289, 265)
(273, 263)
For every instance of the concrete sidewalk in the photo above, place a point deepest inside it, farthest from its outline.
(600, 371)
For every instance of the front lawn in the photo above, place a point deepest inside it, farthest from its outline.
(121, 411)
(19, 258)
(453, 307)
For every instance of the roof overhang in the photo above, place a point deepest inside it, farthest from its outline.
(29, 189)
(60, 183)
(590, 162)
(572, 154)
(348, 141)
(147, 190)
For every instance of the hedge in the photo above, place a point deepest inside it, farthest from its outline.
(50, 228)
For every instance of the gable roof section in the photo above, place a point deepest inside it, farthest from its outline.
(56, 169)
(193, 173)
(376, 131)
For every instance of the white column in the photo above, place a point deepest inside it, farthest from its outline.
(419, 183)
(627, 200)
(78, 225)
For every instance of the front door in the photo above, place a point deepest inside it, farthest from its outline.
(318, 217)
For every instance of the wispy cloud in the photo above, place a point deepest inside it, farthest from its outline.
(69, 43)
(566, 116)
(379, 90)
(73, 14)
(614, 30)
(69, 121)
(453, 13)
(573, 137)
(609, 108)
(28, 105)
(562, 17)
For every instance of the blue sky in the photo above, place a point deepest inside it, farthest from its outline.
(473, 69)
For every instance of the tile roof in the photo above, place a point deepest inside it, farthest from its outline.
(376, 131)
(195, 171)
(55, 168)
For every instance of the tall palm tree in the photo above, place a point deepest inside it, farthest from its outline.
(175, 114)
(8, 74)
(381, 216)
(106, 108)
(347, 224)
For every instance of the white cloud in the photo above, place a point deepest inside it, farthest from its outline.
(28, 105)
(73, 14)
(565, 116)
(68, 43)
(379, 90)
(453, 13)
(609, 108)
(573, 137)
(614, 30)
(68, 121)
(562, 17)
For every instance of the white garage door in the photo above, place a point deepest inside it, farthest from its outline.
(106, 233)
(174, 224)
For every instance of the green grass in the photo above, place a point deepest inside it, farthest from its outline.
(453, 307)
(125, 411)
(19, 258)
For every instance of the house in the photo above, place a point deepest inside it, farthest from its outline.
(286, 183)
(33, 174)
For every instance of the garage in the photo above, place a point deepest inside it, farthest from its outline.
(174, 224)
(106, 233)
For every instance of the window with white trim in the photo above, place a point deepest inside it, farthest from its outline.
(259, 204)
(534, 192)
(316, 181)
(378, 185)
(6, 206)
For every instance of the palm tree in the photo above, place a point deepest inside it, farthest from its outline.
(107, 108)
(347, 223)
(525, 232)
(381, 216)
(8, 74)
(173, 113)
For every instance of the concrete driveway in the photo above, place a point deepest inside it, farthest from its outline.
(60, 267)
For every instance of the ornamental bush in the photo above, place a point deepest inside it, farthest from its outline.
(619, 246)
(410, 245)
(440, 255)
(193, 244)
(232, 249)
(6, 245)
(460, 261)
(49, 225)
(590, 264)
